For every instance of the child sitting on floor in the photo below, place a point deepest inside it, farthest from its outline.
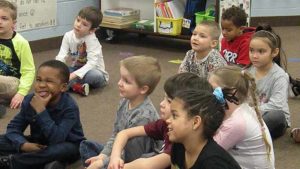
(139, 77)
(195, 117)
(81, 47)
(203, 57)
(158, 129)
(236, 36)
(55, 127)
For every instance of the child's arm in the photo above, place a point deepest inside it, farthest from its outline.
(64, 48)
(230, 132)
(94, 56)
(120, 142)
(54, 132)
(27, 71)
(243, 55)
(279, 95)
(16, 128)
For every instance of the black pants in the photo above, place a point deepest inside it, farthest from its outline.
(276, 122)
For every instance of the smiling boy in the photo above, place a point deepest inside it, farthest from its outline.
(53, 118)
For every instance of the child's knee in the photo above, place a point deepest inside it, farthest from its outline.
(8, 86)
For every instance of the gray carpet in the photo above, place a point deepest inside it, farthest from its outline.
(98, 109)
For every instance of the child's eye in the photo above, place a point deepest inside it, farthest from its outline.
(261, 51)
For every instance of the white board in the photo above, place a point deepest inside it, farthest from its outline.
(35, 14)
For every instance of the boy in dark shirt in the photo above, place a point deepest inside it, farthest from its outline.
(55, 127)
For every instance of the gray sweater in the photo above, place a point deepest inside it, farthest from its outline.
(273, 90)
(138, 116)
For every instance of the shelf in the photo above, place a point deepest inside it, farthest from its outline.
(186, 37)
(154, 33)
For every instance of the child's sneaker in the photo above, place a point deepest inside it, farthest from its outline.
(4, 162)
(295, 86)
(55, 165)
(82, 89)
(2, 111)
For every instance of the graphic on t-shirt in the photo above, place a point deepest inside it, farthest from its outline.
(6, 67)
(229, 56)
(79, 58)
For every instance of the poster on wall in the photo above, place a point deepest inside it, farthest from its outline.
(245, 4)
(35, 14)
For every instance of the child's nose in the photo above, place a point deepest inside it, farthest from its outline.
(168, 121)
(120, 83)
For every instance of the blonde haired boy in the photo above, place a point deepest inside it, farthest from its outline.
(139, 77)
(17, 68)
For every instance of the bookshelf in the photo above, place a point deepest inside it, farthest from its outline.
(147, 11)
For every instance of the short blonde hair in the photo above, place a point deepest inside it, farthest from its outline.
(214, 29)
(11, 6)
(145, 70)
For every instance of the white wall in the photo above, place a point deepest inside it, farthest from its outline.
(68, 9)
(66, 13)
(275, 8)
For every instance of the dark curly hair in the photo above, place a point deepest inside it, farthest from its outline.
(235, 14)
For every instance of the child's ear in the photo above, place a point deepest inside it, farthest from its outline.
(197, 122)
(275, 52)
(93, 30)
(144, 89)
(64, 87)
(214, 43)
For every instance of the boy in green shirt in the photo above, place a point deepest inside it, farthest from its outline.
(17, 68)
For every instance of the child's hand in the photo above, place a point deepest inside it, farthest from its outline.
(16, 101)
(72, 76)
(295, 134)
(96, 164)
(39, 103)
(32, 147)
(116, 163)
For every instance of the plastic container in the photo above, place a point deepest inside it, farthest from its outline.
(201, 16)
(169, 26)
(207, 15)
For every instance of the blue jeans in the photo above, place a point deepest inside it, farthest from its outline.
(89, 149)
(64, 152)
(276, 122)
(95, 78)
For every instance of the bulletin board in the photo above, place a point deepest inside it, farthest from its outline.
(35, 14)
(245, 4)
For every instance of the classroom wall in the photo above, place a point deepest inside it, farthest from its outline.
(67, 10)
(275, 8)
(66, 13)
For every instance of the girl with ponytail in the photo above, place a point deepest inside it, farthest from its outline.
(243, 132)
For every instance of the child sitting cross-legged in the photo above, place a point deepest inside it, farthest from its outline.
(158, 129)
(139, 77)
(81, 49)
(203, 57)
(55, 127)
